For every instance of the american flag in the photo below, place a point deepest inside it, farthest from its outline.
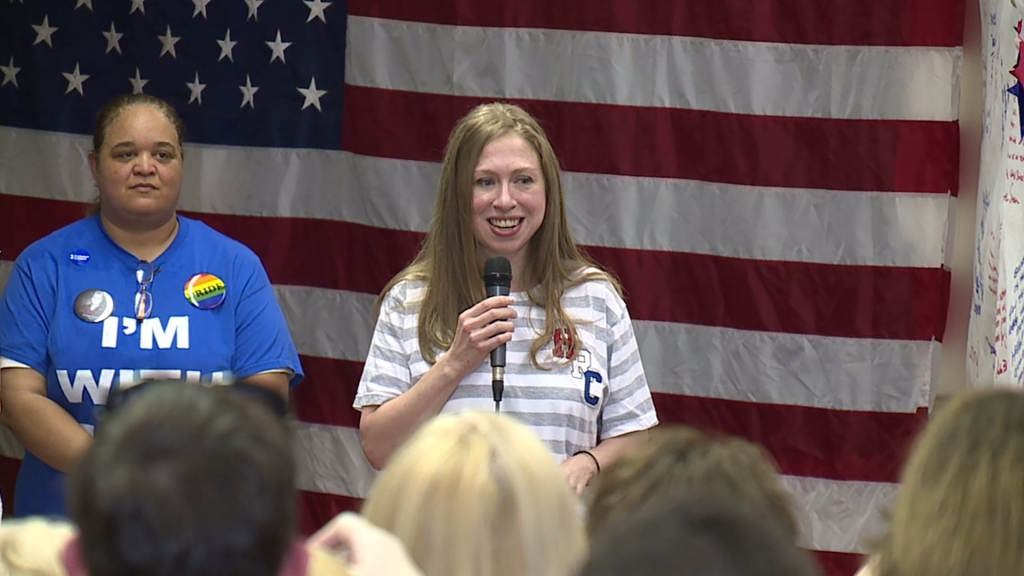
(771, 180)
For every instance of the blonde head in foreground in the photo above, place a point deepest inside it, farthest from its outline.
(960, 507)
(477, 494)
(33, 547)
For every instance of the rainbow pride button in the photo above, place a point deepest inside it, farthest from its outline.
(205, 291)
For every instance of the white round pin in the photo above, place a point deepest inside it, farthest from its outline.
(94, 305)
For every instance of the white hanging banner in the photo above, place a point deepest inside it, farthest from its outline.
(996, 333)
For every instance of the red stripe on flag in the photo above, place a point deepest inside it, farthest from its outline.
(828, 154)
(837, 22)
(806, 441)
(23, 220)
(838, 563)
(772, 296)
(777, 296)
(316, 509)
(326, 394)
(9, 468)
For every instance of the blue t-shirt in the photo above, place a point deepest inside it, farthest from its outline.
(246, 334)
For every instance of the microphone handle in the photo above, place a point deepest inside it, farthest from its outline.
(498, 354)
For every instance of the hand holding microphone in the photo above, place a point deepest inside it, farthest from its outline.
(482, 329)
(498, 282)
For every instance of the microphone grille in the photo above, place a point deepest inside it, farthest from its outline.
(498, 265)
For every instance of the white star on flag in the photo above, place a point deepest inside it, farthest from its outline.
(86, 3)
(196, 90)
(138, 5)
(312, 95)
(167, 41)
(277, 48)
(44, 32)
(254, 6)
(316, 10)
(113, 39)
(248, 91)
(75, 80)
(137, 82)
(226, 45)
(200, 7)
(10, 73)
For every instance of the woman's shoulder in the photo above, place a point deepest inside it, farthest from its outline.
(69, 243)
(202, 234)
(404, 290)
(594, 281)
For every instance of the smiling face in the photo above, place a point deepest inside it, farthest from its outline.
(138, 167)
(508, 199)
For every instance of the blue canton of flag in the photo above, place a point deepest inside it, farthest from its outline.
(240, 72)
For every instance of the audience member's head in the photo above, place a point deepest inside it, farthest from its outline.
(33, 547)
(270, 400)
(679, 461)
(701, 535)
(477, 494)
(960, 508)
(186, 481)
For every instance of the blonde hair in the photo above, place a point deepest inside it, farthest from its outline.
(477, 494)
(681, 461)
(448, 261)
(33, 547)
(960, 508)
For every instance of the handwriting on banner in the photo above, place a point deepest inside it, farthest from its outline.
(1014, 164)
(1013, 323)
(993, 272)
(1001, 317)
(979, 283)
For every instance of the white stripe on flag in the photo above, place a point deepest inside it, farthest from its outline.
(858, 374)
(9, 445)
(761, 223)
(840, 516)
(912, 83)
(330, 460)
(816, 371)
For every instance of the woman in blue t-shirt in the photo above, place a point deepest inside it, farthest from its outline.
(132, 292)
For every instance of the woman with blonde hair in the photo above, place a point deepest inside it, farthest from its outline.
(34, 547)
(681, 462)
(477, 494)
(960, 508)
(573, 372)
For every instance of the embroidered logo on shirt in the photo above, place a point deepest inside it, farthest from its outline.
(564, 346)
(583, 369)
(589, 378)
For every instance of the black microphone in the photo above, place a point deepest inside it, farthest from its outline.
(498, 282)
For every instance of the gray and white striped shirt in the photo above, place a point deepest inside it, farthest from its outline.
(601, 393)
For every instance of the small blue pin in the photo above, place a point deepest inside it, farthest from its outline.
(79, 256)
